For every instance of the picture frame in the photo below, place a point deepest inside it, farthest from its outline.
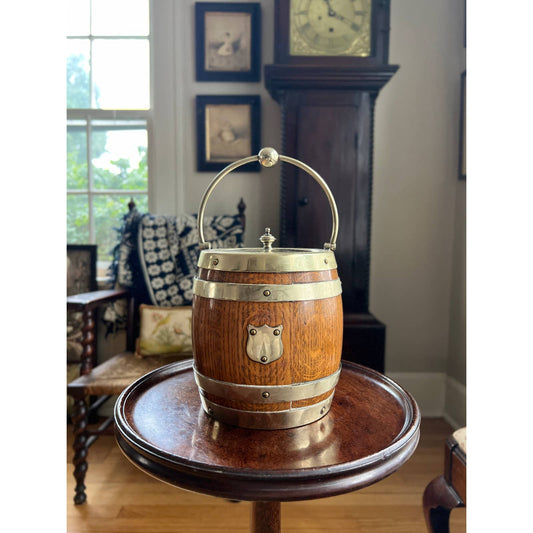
(81, 268)
(228, 129)
(81, 277)
(462, 130)
(228, 41)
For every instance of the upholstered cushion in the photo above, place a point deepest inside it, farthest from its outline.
(115, 374)
(168, 252)
(222, 231)
(460, 437)
(164, 330)
(156, 257)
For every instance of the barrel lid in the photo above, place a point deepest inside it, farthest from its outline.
(267, 259)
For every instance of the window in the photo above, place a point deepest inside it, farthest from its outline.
(108, 117)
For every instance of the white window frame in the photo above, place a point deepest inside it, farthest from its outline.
(88, 115)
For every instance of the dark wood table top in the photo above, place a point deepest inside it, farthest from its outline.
(371, 430)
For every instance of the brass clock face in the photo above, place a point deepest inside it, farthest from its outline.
(330, 27)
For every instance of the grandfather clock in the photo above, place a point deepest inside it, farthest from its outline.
(330, 62)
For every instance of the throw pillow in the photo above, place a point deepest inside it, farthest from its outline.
(164, 330)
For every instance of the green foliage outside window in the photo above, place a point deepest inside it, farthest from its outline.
(121, 174)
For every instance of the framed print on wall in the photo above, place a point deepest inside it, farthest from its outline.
(228, 41)
(228, 129)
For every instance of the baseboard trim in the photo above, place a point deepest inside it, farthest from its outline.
(427, 388)
(455, 403)
(436, 394)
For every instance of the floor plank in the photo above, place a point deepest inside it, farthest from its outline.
(122, 499)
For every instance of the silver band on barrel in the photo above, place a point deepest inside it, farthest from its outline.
(266, 393)
(289, 418)
(276, 260)
(251, 292)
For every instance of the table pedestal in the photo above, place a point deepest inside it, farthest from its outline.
(266, 517)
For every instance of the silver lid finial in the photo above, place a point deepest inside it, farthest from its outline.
(267, 239)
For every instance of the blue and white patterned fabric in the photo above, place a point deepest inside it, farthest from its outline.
(158, 245)
(122, 268)
(157, 255)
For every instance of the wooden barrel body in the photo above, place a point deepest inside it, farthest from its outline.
(267, 345)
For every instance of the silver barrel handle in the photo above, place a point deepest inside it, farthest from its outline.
(268, 157)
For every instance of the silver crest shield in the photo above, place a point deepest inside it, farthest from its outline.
(264, 343)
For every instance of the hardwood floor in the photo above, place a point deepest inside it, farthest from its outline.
(122, 499)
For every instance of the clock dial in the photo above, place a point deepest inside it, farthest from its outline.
(330, 27)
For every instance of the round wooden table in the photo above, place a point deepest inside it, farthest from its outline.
(372, 428)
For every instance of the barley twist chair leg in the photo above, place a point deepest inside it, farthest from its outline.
(80, 446)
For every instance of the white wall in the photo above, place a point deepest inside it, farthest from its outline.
(417, 267)
(178, 186)
(418, 234)
(415, 182)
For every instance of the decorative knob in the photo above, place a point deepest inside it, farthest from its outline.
(267, 239)
(268, 157)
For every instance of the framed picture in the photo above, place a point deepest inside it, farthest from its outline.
(228, 129)
(462, 130)
(81, 268)
(81, 277)
(228, 41)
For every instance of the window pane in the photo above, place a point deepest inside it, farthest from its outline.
(78, 79)
(120, 17)
(77, 157)
(77, 219)
(122, 164)
(121, 73)
(78, 16)
(108, 213)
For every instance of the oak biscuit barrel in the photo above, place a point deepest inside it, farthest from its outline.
(267, 326)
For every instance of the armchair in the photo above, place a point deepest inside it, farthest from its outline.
(103, 380)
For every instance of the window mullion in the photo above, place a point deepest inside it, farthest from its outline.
(111, 114)
(90, 182)
(91, 77)
(92, 222)
(105, 192)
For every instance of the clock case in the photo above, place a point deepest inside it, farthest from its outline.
(379, 39)
(327, 114)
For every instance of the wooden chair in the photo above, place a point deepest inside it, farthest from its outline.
(81, 278)
(447, 491)
(98, 383)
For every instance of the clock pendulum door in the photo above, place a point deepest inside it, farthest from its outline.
(327, 109)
